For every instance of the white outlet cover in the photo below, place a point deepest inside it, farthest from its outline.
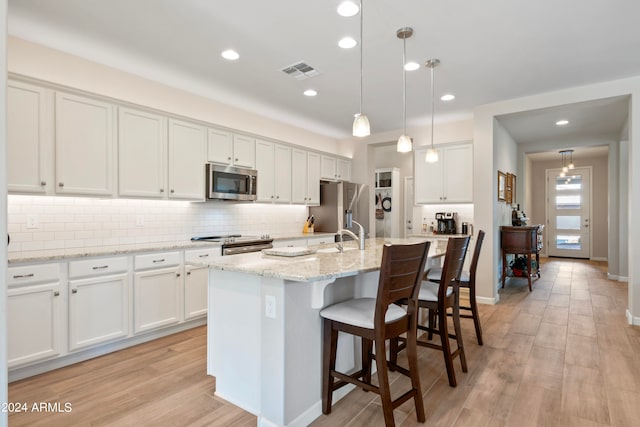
(270, 306)
(32, 221)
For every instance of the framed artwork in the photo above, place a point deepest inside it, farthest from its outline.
(511, 189)
(502, 186)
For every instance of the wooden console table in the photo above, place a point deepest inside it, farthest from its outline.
(525, 240)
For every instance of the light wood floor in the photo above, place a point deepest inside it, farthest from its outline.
(562, 355)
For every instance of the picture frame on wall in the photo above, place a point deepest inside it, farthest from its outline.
(502, 186)
(511, 189)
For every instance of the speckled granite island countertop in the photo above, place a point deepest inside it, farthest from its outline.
(325, 264)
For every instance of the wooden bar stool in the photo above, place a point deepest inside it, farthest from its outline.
(375, 320)
(467, 280)
(437, 298)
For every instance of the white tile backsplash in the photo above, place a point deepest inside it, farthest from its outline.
(78, 222)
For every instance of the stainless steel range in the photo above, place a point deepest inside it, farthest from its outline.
(233, 244)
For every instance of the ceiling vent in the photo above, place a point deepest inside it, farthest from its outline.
(300, 71)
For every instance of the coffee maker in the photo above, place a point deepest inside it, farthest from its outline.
(446, 222)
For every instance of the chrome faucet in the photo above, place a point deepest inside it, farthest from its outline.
(359, 238)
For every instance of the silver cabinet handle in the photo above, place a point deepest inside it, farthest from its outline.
(188, 273)
(277, 197)
(61, 184)
(158, 260)
(203, 256)
(236, 160)
(43, 183)
(272, 197)
(56, 294)
(173, 191)
(162, 190)
(22, 276)
(228, 158)
(74, 291)
(100, 267)
(177, 274)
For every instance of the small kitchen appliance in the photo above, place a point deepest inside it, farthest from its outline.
(231, 183)
(446, 222)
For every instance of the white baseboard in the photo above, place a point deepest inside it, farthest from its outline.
(80, 356)
(484, 300)
(633, 320)
(617, 278)
(599, 258)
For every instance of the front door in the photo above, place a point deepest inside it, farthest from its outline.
(568, 212)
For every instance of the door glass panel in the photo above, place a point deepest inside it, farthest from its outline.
(569, 182)
(568, 242)
(568, 201)
(568, 222)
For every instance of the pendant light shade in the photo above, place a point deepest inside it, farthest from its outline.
(361, 126)
(404, 142)
(432, 153)
(566, 167)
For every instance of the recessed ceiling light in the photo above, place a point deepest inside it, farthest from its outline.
(562, 122)
(231, 55)
(348, 8)
(411, 66)
(347, 43)
(448, 97)
(310, 92)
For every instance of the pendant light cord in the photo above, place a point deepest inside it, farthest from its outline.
(361, 31)
(404, 85)
(433, 104)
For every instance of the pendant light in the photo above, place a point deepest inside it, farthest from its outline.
(404, 142)
(566, 167)
(361, 123)
(432, 153)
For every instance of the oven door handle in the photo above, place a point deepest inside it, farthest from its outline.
(245, 249)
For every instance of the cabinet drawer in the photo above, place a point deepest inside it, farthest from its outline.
(164, 259)
(97, 267)
(33, 274)
(201, 255)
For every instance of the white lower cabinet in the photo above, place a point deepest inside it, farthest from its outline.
(34, 314)
(196, 281)
(157, 292)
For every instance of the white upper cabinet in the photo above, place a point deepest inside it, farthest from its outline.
(29, 138)
(84, 146)
(186, 160)
(273, 162)
(142, 154)
(449, 180)
(335, 169)
(230, 149)
(305, 177)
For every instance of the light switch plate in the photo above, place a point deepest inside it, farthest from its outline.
(270, 306)
(32, 221)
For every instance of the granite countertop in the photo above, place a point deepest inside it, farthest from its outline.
(64, 254)
(319, 266)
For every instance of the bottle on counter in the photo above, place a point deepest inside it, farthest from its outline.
(514, 216)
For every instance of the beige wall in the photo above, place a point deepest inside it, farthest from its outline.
(39, 62)
(3, 212)
(599, 191)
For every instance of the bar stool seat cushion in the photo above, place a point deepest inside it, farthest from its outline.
(360, 312)
(429, 291)
(435, 273)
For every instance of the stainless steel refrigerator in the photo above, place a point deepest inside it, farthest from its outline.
(335, 199)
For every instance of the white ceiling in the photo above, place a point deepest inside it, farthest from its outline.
(490, 50)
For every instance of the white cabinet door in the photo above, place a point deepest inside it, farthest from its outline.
(313, 179)
(84, 146)
(220, 147)
(98, 310)
(428, 178)
(157, 298)
(282, 155)
(328, 168)
(34, 323)
(343, 168)
(196, 284)
(244, 151)
(186, 160)
(266, 171)
(458, 174)
(299, 173)
(29, 138)
(142, 151)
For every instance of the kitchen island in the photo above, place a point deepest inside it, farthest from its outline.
(264, 329)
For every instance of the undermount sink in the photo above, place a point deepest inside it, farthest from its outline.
(334, 250)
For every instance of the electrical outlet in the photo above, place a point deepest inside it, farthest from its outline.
(270, 306)
(32, 221)
(139, 220)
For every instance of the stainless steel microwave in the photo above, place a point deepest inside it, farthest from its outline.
(229, 183)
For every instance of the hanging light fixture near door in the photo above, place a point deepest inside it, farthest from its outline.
(432, 153)
(404, 142)
(565, 167)
(361, 125)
